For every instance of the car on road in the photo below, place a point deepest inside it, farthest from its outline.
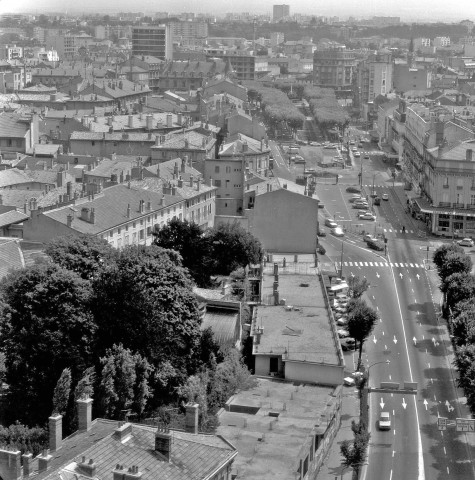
(352, 142)
(352, 189)
(338, 232)
(385, 196)
(355, 198)
(357, 154)
(366, 157)
(315, 144)
(330, 223)
(375, 245)
(354, 149)
(361, 205)
(466, 242)
(369, 238)
(367, 216)
(377, 201)
(384, 422)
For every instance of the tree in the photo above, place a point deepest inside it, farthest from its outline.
(189, 240)
(465, 364)
(357, 286)
(123, 383)
(454, 262)
(85, 254)
(458, 287)
(361, 321)
(463, 327)
(145, 302)
(354, 452)
(62, 392)
(233, 247)
(23, 438)
(46, 327)
(441, 253)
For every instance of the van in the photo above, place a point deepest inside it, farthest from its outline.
(377, 201)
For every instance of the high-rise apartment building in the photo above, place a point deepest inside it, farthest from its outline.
(189, 33)
(155, 41)
(280, 12)
(374, 77)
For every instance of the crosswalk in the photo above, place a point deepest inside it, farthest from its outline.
(380, 264)
(395, 230)
(377, 186)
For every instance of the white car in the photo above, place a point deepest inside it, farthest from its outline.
(354, 149)
(338, 232)
(466, 242)
(343, 333)
(357, 154)
(384, 422)
(367, 216)
(385, 196)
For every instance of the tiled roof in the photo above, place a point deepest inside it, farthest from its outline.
(46, 148)
(115, 137)
(108, 167)
(110, 208)
(45, 176)
(11, 217)
(234, 145)
(195, 68)
(12, 176)
(13, 125)
(193, 456)
(191, 140)
(11, 257)
(121, 122)
(223, 323)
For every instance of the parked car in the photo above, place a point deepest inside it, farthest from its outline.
(342, 333)
(466, 242)
(330, 223)
(367, 216)
(354, 149)
(366, 157)
(355, 198)
(357, 154)
(338, 232)
(384, 422)
(385, 196)
(360, 205)
(347, 344)
(369, 238)
(377, 201)
(352, 189)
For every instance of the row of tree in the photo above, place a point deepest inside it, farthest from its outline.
(121, 326)
(326, 110)
(277, 108)
(458, 285)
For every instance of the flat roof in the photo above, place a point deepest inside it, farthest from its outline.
(270, 424)
(302, 333)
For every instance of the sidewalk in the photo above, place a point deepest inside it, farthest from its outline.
(350, 410)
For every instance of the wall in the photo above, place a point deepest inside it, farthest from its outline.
(284, 221)
(10, 465)
(102, 148)
(40, 228)
(314, 372)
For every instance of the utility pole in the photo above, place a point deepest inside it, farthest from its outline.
(341, 261)
(316, 237)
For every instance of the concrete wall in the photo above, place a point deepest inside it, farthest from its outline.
(284, 221)
(262, 364)
(314, 372)
(10, 465)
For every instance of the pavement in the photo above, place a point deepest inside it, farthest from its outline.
(350, 410)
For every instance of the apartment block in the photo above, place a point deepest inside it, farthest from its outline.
(334, 68)
(155, 41)
(374, 77)
(280, 12)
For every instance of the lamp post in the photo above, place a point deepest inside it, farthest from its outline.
(341, 261)
(453, 227)
(387, 362)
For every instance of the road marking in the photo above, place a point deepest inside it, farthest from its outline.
(371, 264)
(435, 398)
(411, 265)
(445, 451)
(351, 264)
(393, 453)
(365, 264)
(420, 457)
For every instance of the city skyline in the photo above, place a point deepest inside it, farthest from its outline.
(408, 11)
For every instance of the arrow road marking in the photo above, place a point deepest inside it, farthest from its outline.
(382, 403)
(435, 342)
(395, 339)
(401, 275)
(414, 340)
(374, 339)
(418, 276)
(425, 403)
(449, 407)
(404, 404)
(377, 274)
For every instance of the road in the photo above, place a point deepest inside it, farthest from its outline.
(411, 336)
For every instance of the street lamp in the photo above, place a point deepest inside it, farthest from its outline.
(387, 362)
(453, 227)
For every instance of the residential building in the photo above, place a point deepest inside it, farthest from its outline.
(237, 156)
(11, 52)
(144, 70)
(391, 128)
(280, 12)
(48, 55)
(18, 133)
(120, 214)
(65, 45)
(406, 77)
(420, 42)
(191, 33)
(303, 49)
(276, 38)
(374, 77)
(441, 42)
(129, 451)
(243, 64)
(280, 430)
(334, 68)
(155, 41)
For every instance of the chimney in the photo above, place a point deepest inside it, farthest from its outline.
(92, 217)
(141, 206)
(175, 169)
(55, 425)
(88, 467)
(179, 118)
(69, 190)
(163, 442)
(25, 208)
(44, 461)
(118, 473)
(469, 155)
(244, 146)
(210, 182)
(123, 431)
(183, 165)
(186, 161)
(191, 180)
(162, 201)
(158, 170)
(133, 473)
(191, 419)
(131, 121)
(69, 220)
(84, 406)
(60, 178)
(27, 458)
(198, 183)
(11, 465)
(187, 144)
(85, 214)
(169, 120)
(149, 206)
(109, 121)
(149, 122)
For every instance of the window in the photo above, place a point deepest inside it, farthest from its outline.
(228, 169)
(217, 183)
(472, 199)
(142, 234)
(93, 143)
(149, 231)
(118, 230)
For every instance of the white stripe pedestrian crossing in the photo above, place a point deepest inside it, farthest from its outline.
(379, 264)
(390, 230)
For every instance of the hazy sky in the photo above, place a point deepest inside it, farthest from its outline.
(430, 10)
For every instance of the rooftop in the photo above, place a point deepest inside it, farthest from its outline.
(299, 330)
(271, 423)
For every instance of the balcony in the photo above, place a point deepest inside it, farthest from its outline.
(458, 205)
(444, 204)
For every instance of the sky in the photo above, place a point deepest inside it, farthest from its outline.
(408, 10)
